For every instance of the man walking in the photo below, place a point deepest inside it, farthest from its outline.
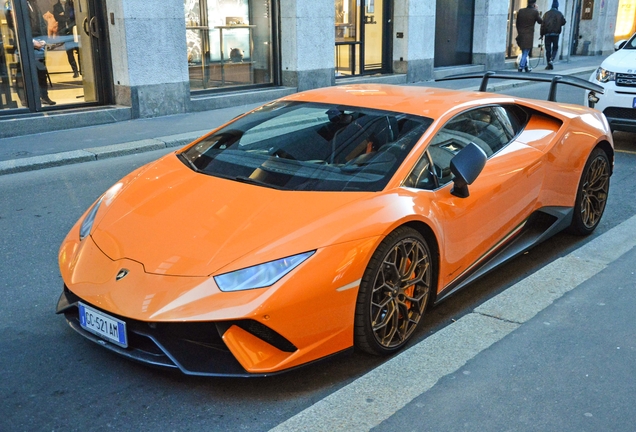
(526, 18)
(553, 21)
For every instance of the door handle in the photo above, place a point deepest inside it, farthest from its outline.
(85, 26)
(93, 27)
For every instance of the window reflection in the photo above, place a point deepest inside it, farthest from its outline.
(228, 42)
(64, 70)
(11, 80)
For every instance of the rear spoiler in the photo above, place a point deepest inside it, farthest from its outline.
(540, 77)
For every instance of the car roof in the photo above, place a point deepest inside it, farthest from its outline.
(422, 101)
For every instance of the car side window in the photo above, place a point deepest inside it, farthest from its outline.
(491, 128)
(423, 175)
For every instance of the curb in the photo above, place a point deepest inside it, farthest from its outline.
(97, 153)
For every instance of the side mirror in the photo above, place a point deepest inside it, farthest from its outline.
(592, 99)
(466, 167)
(620, 44)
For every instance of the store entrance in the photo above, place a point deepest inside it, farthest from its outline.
(362, 37)
(53, 55)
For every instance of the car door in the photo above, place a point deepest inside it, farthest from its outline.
(502, 197)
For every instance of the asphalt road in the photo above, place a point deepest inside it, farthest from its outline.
(53, 379)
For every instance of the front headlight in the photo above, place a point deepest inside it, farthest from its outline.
(603, 75)
(260, 276)
(87, 223)
(106, 199)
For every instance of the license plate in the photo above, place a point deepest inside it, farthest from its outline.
(634, 103)
(103, 325)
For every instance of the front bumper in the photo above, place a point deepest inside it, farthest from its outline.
(619, 106)
(623, 119)
(194, 348)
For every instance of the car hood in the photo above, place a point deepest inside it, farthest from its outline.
(623, 61)
(178, 222)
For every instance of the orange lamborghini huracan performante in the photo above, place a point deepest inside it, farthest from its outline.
(325, 221)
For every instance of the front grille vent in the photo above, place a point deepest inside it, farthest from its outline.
(626, 80)
(618, 112)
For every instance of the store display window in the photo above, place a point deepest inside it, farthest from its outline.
(50, 55)
(229, 43)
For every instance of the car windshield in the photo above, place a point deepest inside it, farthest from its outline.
(309, 147)
(631, 43)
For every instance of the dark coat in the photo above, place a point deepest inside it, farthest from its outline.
(526, 18)
(38, 25)
(553, 20)
(65, 16)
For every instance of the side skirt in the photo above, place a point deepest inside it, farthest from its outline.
(541, 225)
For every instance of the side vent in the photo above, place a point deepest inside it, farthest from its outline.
(260, 331)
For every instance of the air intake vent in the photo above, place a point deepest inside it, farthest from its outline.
(262, 332)
(623, 113)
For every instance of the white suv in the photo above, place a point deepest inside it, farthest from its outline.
(617, 75)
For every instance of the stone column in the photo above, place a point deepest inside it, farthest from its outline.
(599, 31)
(413, 52)
(149, 58)
(307, 43)
(489, 34)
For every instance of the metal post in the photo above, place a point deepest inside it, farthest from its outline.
(571, 29)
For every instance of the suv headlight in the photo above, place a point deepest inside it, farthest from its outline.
(603, 75)
(260, 276)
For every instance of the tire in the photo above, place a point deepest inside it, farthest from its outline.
(394, 293)
(591, 196)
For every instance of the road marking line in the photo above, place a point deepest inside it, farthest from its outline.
(377, 395)
(625, 151)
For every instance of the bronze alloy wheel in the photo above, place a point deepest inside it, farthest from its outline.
(393, 293)
(595, 190)
(592, 194)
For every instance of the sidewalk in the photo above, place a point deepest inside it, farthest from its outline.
(554, 352)
(44, 150)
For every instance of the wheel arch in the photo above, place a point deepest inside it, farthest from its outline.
(429, 235)
(609, 151)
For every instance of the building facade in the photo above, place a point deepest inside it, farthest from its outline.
(166, 57)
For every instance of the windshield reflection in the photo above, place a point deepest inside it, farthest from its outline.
(309, 146)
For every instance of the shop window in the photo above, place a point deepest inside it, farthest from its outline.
(229, 43)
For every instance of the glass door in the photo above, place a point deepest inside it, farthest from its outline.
(373, 18)
(83, 39)
(57, 54)
(12, 84)
(512, 49)
(361, 27)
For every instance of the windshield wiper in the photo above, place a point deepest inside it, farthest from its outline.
(187, 161)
